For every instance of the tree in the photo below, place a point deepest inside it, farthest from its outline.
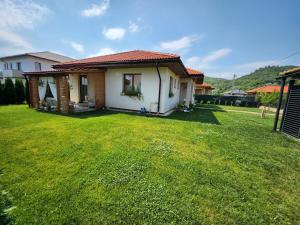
(1, 94)
(9, 92)
(267, 99)
(20, 91)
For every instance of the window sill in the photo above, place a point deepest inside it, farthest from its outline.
(131, 94)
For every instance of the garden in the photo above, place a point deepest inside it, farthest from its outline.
(209, 166)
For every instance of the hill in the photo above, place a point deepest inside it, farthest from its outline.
(258, 78)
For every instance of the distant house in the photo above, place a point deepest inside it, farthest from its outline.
(235, 92)
(266, 89)
(13, 66)
(204, 89)
(135, 80)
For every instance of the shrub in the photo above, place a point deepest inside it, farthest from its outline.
(20, 91)
(1, 94)
(9, 92)
(268, 99)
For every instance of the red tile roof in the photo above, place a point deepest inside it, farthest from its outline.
(135, 56)
(193, 72)
(204, 85)
(267, 89)
(130, 56)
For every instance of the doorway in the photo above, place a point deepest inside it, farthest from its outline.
(83, 88)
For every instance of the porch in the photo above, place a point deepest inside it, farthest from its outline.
(67, 91)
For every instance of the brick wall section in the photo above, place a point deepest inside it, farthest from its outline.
(100, 90)
(33, 91)
(63, 97)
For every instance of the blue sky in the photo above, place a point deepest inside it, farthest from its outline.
(219, 37)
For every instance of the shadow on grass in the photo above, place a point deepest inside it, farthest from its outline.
(198, 115)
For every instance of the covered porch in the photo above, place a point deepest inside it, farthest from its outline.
(67, 91)
(187, 91)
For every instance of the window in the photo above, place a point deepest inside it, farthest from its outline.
(6, 66)
(11, 66)
(175, 81)
(132, 84)
(38, 66)
(171, 87)
(19, 66)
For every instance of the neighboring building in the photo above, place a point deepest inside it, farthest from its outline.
(236, 92)
(267, 89)
(204, 89)
(132, 80)
(13, 66)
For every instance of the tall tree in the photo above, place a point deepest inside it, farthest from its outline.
(20, 91)
(1, 94)
(9, 92)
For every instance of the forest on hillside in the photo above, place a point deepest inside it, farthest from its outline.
(258, 78)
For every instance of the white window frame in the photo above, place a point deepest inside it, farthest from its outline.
(37, 66)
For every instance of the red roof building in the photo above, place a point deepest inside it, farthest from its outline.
(267, 89)
(204, 89)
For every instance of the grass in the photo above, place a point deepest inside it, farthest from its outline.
(205, 167)
(238, 108)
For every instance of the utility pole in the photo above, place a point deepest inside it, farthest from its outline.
(234, 76)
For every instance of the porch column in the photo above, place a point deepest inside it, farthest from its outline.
(99, 90)
(279, 103)
(63, 94)
(33, 91)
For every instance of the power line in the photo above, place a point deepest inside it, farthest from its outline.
(287, 57)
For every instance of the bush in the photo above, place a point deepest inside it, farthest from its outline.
(1, 94)
(9, 92)
(268, 99)
(20, 91)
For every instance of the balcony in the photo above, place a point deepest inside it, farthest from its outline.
(13, 73)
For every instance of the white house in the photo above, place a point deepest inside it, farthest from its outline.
(13, 66)
(135, 80)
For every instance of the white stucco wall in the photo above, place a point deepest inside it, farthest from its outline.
(114, 98)
(168, 103)
(114, 88)
(27, 64)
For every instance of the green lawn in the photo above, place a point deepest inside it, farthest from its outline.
(237, 108)
(205, 167)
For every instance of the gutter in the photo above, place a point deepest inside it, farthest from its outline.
(159, 88)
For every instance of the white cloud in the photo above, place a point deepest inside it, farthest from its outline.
(239, 69)
(215, 55)
(203, 63)
(114, 33)
(179, 44)
(21, 14)
(103, 51)
(76, 46)
(14, 39)
(133, 27)
(16, 15)
(96, 10)
(254, 65)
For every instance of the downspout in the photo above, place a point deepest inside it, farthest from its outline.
(159, 88)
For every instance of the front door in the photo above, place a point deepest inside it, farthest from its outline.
(83, 88)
